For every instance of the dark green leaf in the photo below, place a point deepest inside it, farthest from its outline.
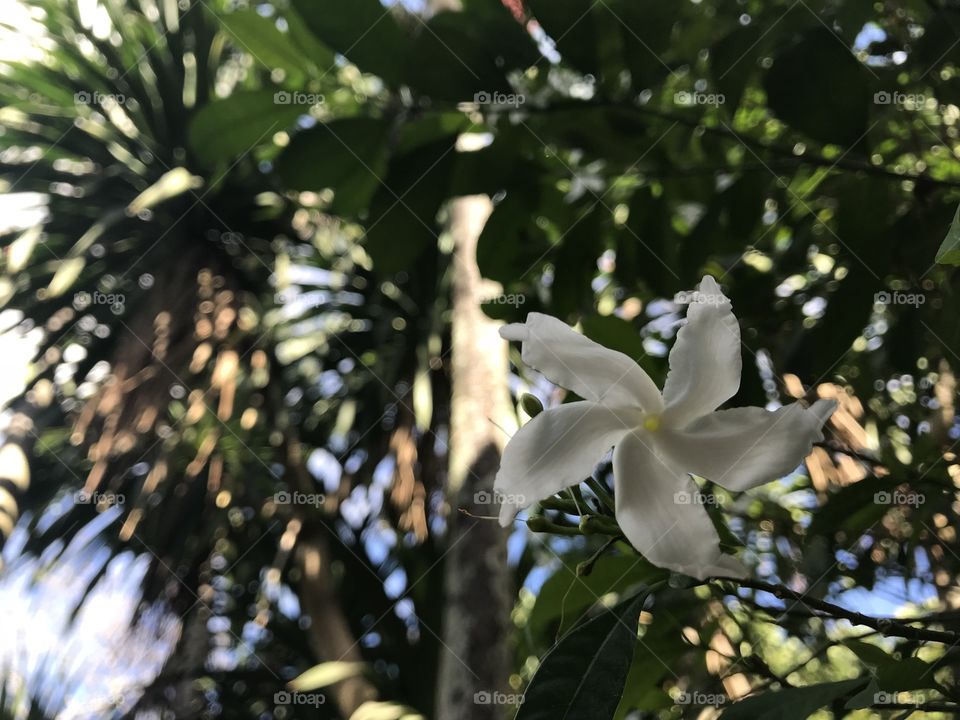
(451, 61)
(260, 37)
(734, 62)
(793, 703)
(572, 27)
(365, 33)
(348, 155)
(818, 87)
(583, 675)
(949, 252)
(565, 596)
(228, 128)
(615, 333)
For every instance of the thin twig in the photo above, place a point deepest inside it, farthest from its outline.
(888, 626)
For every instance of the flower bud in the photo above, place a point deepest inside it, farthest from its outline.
(538, 523)
(531, 404)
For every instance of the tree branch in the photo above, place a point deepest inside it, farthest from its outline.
(887, 626)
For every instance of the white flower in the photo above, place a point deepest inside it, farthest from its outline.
(657, 438)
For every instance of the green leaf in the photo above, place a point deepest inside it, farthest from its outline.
(911, 673)
(949, 252)
(658, 651)
(818, 87)
(365, 33)
(511, 244)
(615, 333)
(347, 155)
(66, 275)
(325, 674)
(401, 220)
(322, 57)
(583, 675)
(734, 60)
(793, 703)
(453, 59)
(645, 28)
(260, 37)
(869, 654)
(228, 128)
(171, 184)
(571, 24)
(564, 596)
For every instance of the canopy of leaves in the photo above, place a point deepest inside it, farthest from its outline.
(238, 280)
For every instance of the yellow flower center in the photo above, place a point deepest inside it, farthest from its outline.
(651, 423)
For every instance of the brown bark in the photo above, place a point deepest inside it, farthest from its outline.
(475, 657)
(329, 633)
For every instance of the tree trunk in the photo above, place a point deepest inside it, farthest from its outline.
(475, 658)
(329, 633)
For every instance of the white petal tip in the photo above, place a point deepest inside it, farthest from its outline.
(710, 286)
(728, 566)
(514, 331)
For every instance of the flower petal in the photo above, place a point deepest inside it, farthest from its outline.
(560, 447)
(745, 447)
(579, 364)
(658, 512)
(705, 362)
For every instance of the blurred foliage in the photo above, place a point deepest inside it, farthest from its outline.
(261, 190)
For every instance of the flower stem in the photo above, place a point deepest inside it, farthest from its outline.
(586, 567)
(540, 524)
(563, 505)
(601, 492)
